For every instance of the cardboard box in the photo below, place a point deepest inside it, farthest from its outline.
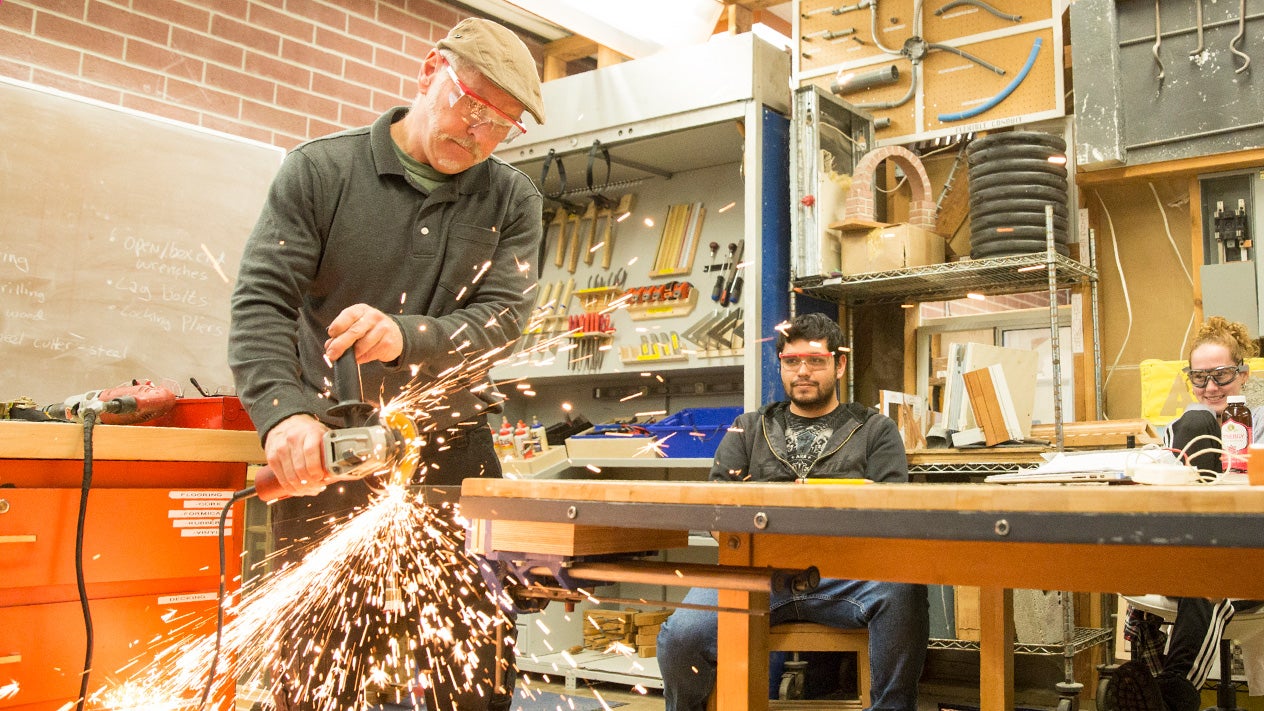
(885, 248)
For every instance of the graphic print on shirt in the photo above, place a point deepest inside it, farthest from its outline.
(805, 441)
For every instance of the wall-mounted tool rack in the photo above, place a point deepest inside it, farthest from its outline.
(668, 168)
(937, 68)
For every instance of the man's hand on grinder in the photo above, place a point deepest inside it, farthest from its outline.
(374, 335)
(294, 452)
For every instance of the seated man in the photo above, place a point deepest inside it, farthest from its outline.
(812, 435)
(1159, 680)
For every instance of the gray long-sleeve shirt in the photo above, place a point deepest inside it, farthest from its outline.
(342, 225)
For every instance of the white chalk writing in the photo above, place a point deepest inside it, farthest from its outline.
(169, 249)
(25, 315)
(22, 263)
(17, 288)
(57, 344)
(144, 313)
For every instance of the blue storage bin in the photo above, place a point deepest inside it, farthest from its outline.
(694, 431)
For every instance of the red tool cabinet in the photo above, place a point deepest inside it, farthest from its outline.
(151, 558)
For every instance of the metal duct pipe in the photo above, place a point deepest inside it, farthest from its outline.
(852, 82)
(721, 577)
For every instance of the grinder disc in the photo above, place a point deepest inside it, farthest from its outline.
(407, 448)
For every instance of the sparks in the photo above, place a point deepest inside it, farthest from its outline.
(214, 263)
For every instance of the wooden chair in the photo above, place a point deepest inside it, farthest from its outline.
(813, 637)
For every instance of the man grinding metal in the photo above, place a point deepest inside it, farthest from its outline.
(405, 243)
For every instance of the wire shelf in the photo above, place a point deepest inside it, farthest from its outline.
(969, 468)
(943, 282)
(1084, 638)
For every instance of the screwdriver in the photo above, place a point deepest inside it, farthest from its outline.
(718, 290)
(728, 294)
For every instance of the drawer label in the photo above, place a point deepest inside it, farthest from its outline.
(190, 597)
(195, 513)
(196, 523)
(203, 532)
(203, 494)
(202, 504)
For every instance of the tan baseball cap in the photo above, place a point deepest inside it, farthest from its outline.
(500, 55)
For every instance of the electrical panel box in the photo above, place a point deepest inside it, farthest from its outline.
(1232, 220)
(827, 139)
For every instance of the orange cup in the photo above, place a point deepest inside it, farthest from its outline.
(1255, 465)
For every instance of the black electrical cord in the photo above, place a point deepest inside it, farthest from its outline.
(89, 424)
(223, 586)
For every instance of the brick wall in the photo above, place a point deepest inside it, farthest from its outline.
(277, 71)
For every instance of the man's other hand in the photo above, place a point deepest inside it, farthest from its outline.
(374, 335)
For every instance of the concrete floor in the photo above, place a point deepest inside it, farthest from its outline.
(651, 700)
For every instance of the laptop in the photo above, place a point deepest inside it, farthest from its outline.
(1035, 476)
(1089, 467)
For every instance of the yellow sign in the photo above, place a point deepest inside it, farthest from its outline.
(1165, 392)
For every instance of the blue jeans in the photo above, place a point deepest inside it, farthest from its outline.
(897, 615)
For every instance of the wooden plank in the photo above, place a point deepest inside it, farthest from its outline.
(1034, 566)
(742, 684)
(1030, 498)
(955, 206)
(56, 440)
(568, 49)
(1101, 433)
(607, 57)
(740, 18)
(965, 607)
(996, 639)
(554, 68)
(754, 4)
(1174, 168)
(569, 539)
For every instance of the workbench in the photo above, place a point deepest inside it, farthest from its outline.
(151, 558)
(1204, 541)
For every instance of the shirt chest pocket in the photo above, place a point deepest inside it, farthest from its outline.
(469, 248)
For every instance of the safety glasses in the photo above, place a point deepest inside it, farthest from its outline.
(478, 112)
(1221, 376)
(794, 361)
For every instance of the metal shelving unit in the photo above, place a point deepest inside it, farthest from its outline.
(1084, 638)
(1040, 271)
(944, 282)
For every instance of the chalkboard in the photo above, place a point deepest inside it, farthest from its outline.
(120, 239)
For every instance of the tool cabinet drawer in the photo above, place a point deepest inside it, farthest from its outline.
(42, 646)
(133, 537)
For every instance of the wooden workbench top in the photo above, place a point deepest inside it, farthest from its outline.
(1050, 498)
(57, 440)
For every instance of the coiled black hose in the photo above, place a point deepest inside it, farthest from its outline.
(1014, 176)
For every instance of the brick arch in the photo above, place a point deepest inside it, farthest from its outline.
(860, 205)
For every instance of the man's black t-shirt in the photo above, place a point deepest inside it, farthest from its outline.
(806, 438)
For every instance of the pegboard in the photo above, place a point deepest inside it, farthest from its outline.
(836, 38)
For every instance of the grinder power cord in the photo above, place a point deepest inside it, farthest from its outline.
(131, 403)
(373, 443)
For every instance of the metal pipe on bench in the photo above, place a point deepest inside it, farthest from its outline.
(721, 577)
